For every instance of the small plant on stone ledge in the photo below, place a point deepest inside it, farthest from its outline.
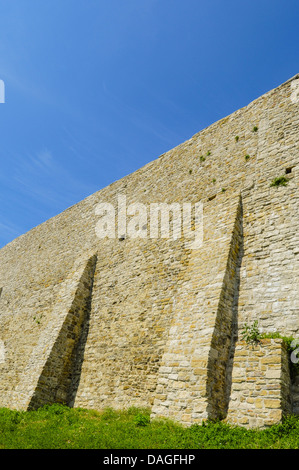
(202, 158)
(247, 157)
(251, 334)
(279, 181)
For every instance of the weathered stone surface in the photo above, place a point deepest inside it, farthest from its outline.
(271, 388)
(154, 321)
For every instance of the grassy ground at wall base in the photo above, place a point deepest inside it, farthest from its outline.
(60, 427)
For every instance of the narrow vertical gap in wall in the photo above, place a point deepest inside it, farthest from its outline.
(226, 327)
(294, 392)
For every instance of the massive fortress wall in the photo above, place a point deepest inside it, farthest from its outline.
(154, 321)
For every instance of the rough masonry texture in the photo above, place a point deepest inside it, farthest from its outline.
(117, 322)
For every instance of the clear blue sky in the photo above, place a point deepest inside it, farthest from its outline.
(95, 89)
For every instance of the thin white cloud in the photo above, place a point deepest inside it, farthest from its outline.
(139, 118)
(8, 229)
(42, 177)
(44, 160)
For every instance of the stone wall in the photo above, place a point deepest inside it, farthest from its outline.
(158, 322)
(260, 393)
(48, 375)
(192, 377)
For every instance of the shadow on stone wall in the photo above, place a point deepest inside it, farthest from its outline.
(57, 379)
(220, 363)
(78, 353)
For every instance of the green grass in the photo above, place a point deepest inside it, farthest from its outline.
(60, 427)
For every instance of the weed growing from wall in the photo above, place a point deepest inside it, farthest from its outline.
(252, 335)
(279, 181)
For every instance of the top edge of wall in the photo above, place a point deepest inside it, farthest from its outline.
(214, 124)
